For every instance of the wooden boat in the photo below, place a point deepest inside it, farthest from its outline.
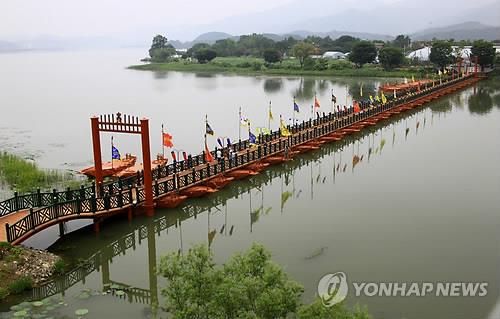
(170, 200)
(305, 148)
(219, 182)
(133, 170)
(329, 139)
(113, 167)
(258, 166)
(198, 191)
(241, 173)
(277, 159)
(351, 130)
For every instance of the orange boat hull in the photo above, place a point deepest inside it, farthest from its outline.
(171, 201)
(241, 173)
(198, 191)
(219, 182)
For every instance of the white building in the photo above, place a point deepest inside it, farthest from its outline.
(334, 55)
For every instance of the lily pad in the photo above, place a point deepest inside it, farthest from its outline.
(114, 286)
(37, 304)
(84, 295)
(81, 312)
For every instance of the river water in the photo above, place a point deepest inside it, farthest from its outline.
(421, 205)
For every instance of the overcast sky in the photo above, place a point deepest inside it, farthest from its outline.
(69, 18)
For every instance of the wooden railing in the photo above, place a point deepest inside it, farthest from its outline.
(195, 174)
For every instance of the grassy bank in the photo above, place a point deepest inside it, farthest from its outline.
(22, 268)
(22, 175)
(257, 66)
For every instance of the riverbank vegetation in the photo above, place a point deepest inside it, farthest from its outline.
(21, 268)
(24, 175)
(249, 285)
(346, 56)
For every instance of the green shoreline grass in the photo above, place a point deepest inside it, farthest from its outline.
(23, 176)
(209, 68)
(256, 66)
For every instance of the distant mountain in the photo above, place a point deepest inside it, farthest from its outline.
(9, 46)
(337, 34)
(211, 37)
(462, 31)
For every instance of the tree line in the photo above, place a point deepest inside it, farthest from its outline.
(389, 54)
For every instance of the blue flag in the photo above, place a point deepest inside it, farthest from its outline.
(295, 107)
(228, 142)
(219, 141)
(115, 154)
(252, 138)
(209, 130)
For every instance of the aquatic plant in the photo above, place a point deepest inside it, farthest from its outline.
(20, 285)
(23, 175)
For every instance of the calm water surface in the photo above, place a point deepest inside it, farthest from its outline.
(421, 206)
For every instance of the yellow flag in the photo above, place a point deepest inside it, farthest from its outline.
(371, 98)
(284, 130)
(377, 98)
(445, 72)
(412, 78)
(439, 72)
(384, 99)
(270, 115)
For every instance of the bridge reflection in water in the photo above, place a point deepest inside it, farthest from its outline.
(343, 155)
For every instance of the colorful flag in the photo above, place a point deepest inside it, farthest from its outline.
(439, 72)
(412, 78)
(244, 121)
(338, 108)
(167, 140)
(357, 109)
(184, 155)
(316, 102)
(208, 156)
(115, 154)
(228, 142)
(271, 115)
(219, 141)
(395, 96)
(384, 99)
(284, 130)
(265, 131)
(334, 98)
(371, 98)
(252, 138)
(377, 98)
(209, 130)
(295, 107)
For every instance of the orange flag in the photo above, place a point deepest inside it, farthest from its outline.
(167, 140)
(356, 107)
(316, 102)
(208, 156)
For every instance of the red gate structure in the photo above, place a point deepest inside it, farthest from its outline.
(121, 123)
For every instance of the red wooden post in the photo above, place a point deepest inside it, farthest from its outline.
(96, 142)
(475, 66)
(146, 157)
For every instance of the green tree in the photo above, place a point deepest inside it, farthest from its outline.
(441, 53)
(191, 51)
(160, 49)
(390, 57)
(402, 42)
(249, 285)
(485, 52)
(344, 43)
(205, 55)
(363, 52)
(302, 50)
(272, 55)
(225, 47)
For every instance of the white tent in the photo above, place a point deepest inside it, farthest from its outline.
(334, 55)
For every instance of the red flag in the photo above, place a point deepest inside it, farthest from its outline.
(167, 140)
(208, 156)
(185, 156)
(316, 102)
(356, 107)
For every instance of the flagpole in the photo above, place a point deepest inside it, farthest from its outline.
(111, 151)
(269, 117)
(292, 111)
(239, 124)
(162, 143)
(206, 123)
